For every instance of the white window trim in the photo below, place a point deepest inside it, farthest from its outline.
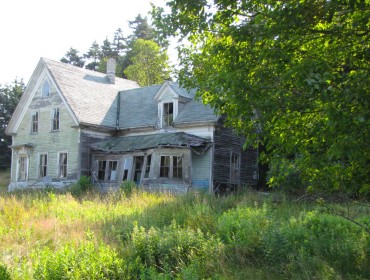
(175, 102)
(170, 171)
(58, 164)
(52, 119)
(38, 164)
(27, 163)
(42, 88)
(38, 121)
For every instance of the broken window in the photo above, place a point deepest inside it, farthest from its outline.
(177, 167)
(55, 119)
(62, 168)
(107, 170)
(234, 167)
(35, 122)
(167, 114)
(165, 166)
(22, 167)
(43, 165)
(147, 166)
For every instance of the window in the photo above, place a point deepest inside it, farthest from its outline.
(171, 167)
(165, 166)
(55, 119)
(45, 89)
(35, 122)
(43, 165)
(22, 167)
(107, 170)
(147, 166)
(177, 167)
(62, 167)
(167, 114)
(234, 168)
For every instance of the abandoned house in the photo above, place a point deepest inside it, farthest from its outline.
(72, 122)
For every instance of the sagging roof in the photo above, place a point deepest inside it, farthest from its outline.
(139, 109)
(145, 142)
(92, 98)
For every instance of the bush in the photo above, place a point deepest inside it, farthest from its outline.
(87, 261)
(174, 251)
(128, 187)
(4, 274)
(82, 186)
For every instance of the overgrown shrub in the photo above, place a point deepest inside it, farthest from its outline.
(82, 186)
(128, 187)
(86, 261)
(4, 274)
(173, 251)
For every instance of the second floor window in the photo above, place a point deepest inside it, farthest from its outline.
(167, 114)
(35, 122)
(55, 119)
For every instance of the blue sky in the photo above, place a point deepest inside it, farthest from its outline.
(44, 28)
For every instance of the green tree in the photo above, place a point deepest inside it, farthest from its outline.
(149, 63)
(93, 55)
(9, 97)
(72, 57)
(105, 53)
(296, 71)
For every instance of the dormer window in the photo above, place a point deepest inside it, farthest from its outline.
(167, 114)
(45, 91)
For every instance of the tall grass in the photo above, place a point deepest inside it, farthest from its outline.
(47, 235)
(4, 179)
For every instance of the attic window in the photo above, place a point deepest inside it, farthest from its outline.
(45, 89)
(167, 114)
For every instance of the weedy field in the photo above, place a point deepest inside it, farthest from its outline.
(130, 234)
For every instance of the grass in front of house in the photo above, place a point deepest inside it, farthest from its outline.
(138, 235)
(4, 180)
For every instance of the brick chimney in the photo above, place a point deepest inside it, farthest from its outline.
(111, 70)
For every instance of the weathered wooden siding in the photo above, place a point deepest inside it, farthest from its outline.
(225, 143)
(86, 139)
(47, 141)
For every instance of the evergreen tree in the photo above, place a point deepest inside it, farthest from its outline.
(93, 55)
(118, 45)
(72, 57)
(9, 97)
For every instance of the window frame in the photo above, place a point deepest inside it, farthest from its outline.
(167, 118)
(55, 119)
(45, 89)
(43, 168)
(235, 162)
(169, 169)
(106, 167)
(62, 168)
(25, 167)
(35, 122)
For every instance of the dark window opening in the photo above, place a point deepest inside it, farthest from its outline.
(167, 114)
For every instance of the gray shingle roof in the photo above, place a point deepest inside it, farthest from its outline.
(89, 94)
(138, 109)
(133, 143)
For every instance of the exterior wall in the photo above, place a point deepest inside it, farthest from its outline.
(88, 137)
(201, 167)
(226, 143)
(46, 140)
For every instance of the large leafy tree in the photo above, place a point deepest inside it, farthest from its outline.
(72, 57)
(9, 97)
(149, 64)
(297, 72)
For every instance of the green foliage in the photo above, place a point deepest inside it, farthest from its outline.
(149, 64)
(295, 71)
(83, 186)
(9, 97)
(174, 251)
(72, 57)
(128, 187)
(85, 261)
(4, 274)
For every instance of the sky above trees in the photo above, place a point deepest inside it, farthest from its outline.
(40, 28)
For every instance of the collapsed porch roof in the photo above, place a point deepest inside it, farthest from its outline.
(145, 142)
